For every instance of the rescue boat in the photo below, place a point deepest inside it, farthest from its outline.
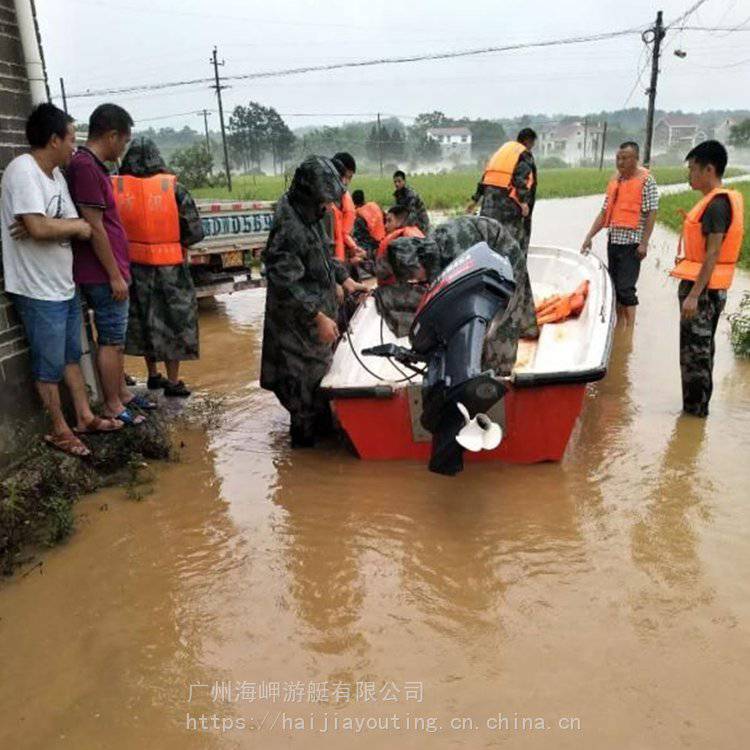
(378, 400)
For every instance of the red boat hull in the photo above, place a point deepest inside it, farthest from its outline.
(538, 424)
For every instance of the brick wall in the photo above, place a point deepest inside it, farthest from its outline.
(18, 401)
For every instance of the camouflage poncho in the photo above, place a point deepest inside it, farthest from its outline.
(163, 314)
(302, 277)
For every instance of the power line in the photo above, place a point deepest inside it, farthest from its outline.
(364, 63)
(642, 65)
(166, 117)
(717, 28)
(689, 12)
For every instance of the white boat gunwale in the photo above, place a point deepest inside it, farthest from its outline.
(519, 379)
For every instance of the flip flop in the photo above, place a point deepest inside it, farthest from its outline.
(142, 403)
(68, 443)
(127, 418)
(99, 425)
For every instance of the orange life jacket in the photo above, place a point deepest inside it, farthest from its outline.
(373, 216)
(500, 168)
(343, 223)
(624, 200)
(693, 242)
(409, 231)
(560, 307)
(148, 211)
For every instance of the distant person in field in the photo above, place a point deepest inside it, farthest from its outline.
(629, 213)
(369, 226)
(711, 243)
(161, 220)
(409, 198)
(507, 192)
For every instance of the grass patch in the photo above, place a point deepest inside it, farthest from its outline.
(669, 214)
(444, 191)
(38, 492)
(740, 322)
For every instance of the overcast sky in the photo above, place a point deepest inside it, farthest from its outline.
(104, 43)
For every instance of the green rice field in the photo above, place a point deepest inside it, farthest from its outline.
(442, 191)
(669, 213)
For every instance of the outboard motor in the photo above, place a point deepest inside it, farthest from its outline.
(448, 334)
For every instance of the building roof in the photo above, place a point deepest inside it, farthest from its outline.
(680, 121)
(562, 132)
(449, 131)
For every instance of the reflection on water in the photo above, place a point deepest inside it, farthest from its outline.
(665, 539)
(608, 587)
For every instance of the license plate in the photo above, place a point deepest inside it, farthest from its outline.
(239, 277)
(232, 260)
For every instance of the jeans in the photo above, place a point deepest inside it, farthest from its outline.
(53, 329)
(110, 315)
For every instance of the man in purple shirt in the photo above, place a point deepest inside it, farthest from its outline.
(101, 265)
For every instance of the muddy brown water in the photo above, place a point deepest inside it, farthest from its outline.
(312, 600)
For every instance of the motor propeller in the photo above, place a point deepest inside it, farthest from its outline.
(480, 433)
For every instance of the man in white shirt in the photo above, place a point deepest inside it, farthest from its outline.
(38, 221)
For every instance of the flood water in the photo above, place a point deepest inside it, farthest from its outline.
(602, 602)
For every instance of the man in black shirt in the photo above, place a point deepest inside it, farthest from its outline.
(408, 197)
(712, 236)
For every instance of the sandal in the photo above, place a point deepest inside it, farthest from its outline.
(97, 425)
(142, 403)
(68, 443)
(177, 389)
(130, 420)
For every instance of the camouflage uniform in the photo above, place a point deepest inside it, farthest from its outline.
(697, 348)
(447, 242)
(163, 315)
(417, 211)
(302, 277)
(497, 204)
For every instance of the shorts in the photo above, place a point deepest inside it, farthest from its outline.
(624, 269)
(110, 315)
(53, 329)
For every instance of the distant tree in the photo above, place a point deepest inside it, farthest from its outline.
(486, 137)
(192, 165)
(426, 150)
(396, 145)
(426, 120)
(372, 146)
(248, 128)
(739, 134)
(280, 138)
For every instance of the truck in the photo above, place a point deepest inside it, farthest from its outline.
(228, 258)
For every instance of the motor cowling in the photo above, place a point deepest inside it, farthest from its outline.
(448, 331)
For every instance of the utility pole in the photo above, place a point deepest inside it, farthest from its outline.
(585, 136)
(205, 114)
(658, 32)
(218, 87)
(604, 140)
(380, 146)
(64, 99)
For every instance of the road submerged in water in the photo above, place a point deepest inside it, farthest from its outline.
(264, 598)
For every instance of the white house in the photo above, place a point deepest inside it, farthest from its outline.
(573, 142)
(678, 132)
(454, 142)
